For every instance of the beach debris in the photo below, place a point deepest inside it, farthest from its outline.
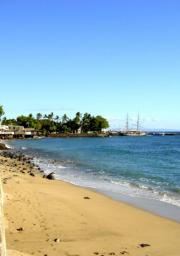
(96, 253)
(32, 174)
(20, 229)
(56, 240)
(112, 253)
(6, 179)
(86, 197)
(50, 176)
(124, 252)
(144, 245)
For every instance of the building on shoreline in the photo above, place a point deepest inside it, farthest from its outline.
(14, 131)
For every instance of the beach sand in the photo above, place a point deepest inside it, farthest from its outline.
(50, 217)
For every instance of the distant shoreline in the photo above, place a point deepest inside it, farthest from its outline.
(85, 135)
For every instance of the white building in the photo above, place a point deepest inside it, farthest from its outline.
(4, 128)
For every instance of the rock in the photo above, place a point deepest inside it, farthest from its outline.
(32, 174)
(86, 197)
(20, 229)
(56, 240)
(144, 245)
(3, 146)
(50, 176)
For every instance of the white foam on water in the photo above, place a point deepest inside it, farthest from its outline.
(170, 200)
(104, 183)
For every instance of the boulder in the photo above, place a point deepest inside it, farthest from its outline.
(50, 176)
(3, 146)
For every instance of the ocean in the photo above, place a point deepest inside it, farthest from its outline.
(143, 171)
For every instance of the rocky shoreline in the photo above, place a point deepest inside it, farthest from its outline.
(23, 164)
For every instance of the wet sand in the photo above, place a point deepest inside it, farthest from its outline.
(49, 217)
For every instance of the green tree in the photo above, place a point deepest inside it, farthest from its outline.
(50, 116)
(6, 121)
(77, 118)
(86, 122)
(27, 121)
(47, 126)
(76, 122)
(1, 112)
(56, 119)
(39, 116)
(101, 123)
(23, 120)
(64, 119)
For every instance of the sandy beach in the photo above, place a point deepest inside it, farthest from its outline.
(50, 217)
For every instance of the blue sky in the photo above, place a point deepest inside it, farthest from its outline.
(97, 56)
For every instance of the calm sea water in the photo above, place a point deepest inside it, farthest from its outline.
(143, 167)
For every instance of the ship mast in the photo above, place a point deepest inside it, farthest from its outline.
(127, 123)
(138, 123)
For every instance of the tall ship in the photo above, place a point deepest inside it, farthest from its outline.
(133, 132)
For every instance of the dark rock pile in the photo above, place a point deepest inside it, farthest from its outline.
(24, 164)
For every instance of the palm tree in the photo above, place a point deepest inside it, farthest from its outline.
(64, 119)
(78, 118)
(57, 119)
(38, 116)
(50, 116)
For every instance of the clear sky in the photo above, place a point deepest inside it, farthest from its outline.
(105, 57)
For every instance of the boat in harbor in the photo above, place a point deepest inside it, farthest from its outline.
(133, 132)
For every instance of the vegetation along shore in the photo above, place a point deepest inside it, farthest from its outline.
(49, 124)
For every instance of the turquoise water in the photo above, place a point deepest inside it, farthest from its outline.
(139, 167)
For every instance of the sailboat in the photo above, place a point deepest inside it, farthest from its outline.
(134, 132)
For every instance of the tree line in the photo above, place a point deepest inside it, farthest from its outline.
(50, 123)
